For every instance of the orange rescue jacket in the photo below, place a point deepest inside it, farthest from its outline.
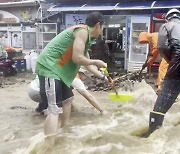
(152, 40)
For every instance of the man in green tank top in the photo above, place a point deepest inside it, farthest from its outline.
(58, 64)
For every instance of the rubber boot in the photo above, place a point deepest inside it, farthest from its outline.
(155, 122)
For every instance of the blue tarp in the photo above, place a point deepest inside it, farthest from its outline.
(85, 7)
(63, 8)
(166, 4)
(134, 5)
(101, 7)
(116, 6)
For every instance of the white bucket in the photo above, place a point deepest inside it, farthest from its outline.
(28, 62)
(33, 90)
(33, 64)
(33, 61)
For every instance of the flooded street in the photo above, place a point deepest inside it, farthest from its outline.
(88, 132)
(117, 48)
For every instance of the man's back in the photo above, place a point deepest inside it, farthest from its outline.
(169, 46)
(173, 28)
(56, 59)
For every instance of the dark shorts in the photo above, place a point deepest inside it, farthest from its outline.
(54, 93)
(167, 96)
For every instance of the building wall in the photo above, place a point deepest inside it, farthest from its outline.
(5, 1)
(25, 14)
(15, 34)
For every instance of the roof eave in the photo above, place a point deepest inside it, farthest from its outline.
(21, 3)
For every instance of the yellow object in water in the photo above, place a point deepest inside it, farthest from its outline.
(121, 97)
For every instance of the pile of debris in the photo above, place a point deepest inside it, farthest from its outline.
(123, 81)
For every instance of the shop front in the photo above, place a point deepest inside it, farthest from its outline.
(123, 23)
(122, 27)
(17, 28)
(18, 31)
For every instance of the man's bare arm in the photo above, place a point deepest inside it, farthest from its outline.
(79, 47)
(78, 50)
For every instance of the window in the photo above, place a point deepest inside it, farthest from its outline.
(29, 40)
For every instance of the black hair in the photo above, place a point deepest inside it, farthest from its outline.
(15, 35)
(93, 18)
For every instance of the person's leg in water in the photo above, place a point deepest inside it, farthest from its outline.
(64, 116)
(51, 93)
(41, 107)
(166, 98)
(66, 112)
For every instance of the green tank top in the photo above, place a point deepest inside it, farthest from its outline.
(55, 61)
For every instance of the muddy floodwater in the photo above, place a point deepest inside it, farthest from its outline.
(88, 132)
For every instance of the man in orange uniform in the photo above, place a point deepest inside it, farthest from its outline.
(151, 39)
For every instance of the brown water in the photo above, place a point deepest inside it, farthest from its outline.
(88, 132)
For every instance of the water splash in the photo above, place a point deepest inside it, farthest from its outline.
(117, 132)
